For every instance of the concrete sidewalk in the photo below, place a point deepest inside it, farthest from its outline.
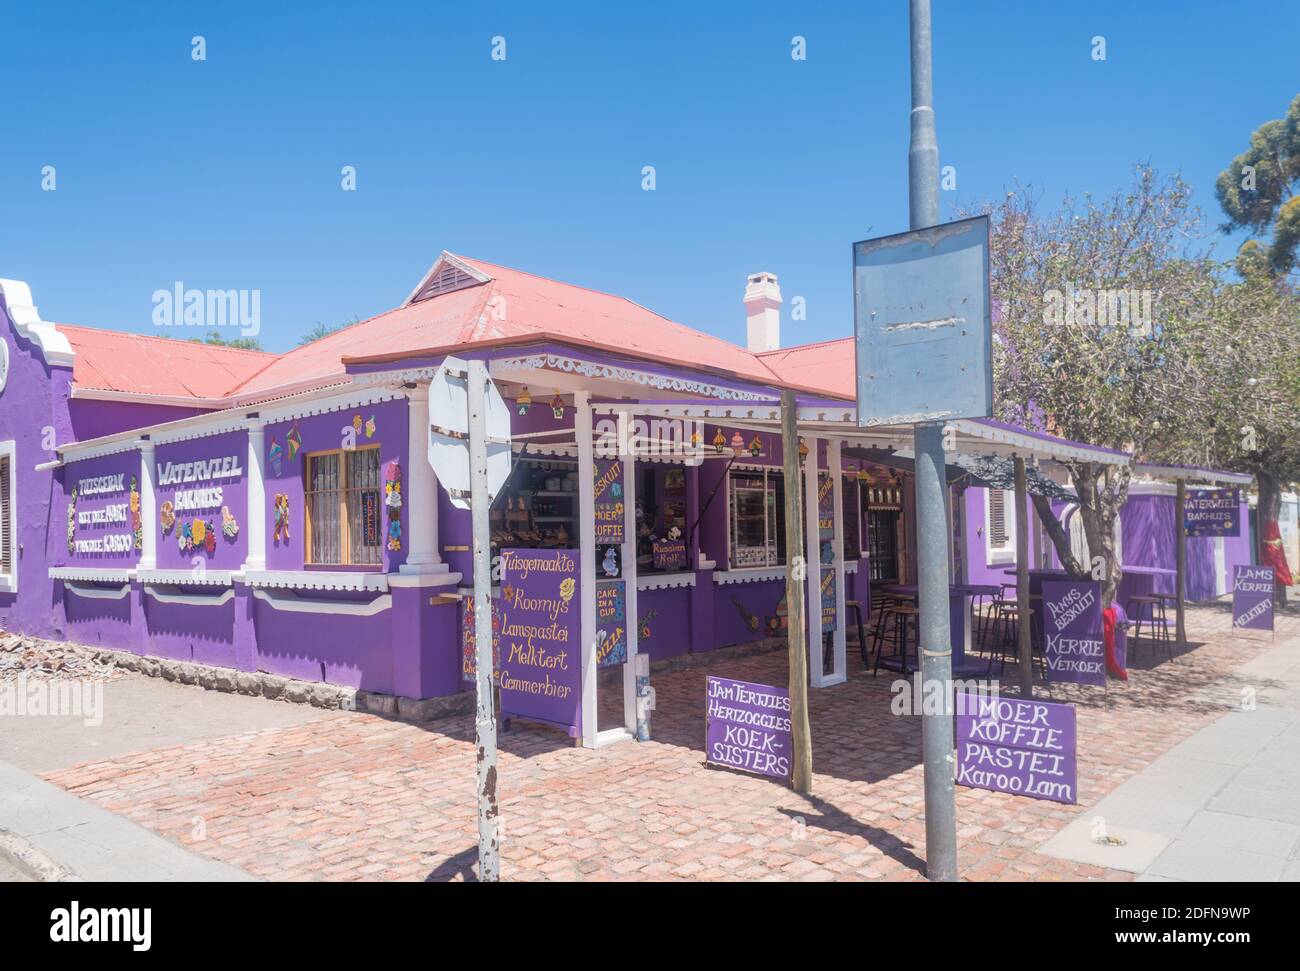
(1224, 804)
(93, 843)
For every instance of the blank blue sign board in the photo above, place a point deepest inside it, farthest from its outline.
(923, 324)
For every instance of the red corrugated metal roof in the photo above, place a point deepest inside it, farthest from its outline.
(830, 366)
(110, 360)
(511, 307)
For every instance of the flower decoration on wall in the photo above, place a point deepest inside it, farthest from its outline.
(137, 524)
(557, 406)
(72, 522)
(393, 503)
(281, 518)
(167, 516)
(524, 401)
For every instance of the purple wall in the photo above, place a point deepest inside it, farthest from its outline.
(323, 433)
(92, 419)
(118, 503)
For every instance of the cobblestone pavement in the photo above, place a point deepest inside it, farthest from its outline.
(355, 797)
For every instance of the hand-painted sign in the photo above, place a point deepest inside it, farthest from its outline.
(748, 727)
(1074, 644)
(1252, 597)
(669, 554)
(611, 623)
(104, 516)
(541, 667)
(609, 501)
(469, 643)
(826, 549)
(1019, 746)
(1212, 512)
(829, 613)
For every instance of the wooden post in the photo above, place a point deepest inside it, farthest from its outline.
(796, 569)
(1025, 645)
(1180, 545)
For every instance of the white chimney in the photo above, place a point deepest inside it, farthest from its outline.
(762, 312)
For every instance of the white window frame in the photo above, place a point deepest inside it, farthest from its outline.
(1006, 553)
(770, 542)
(9, 581)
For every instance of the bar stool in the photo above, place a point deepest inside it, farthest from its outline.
(904, 615)
(885, 601)
(1156, 618)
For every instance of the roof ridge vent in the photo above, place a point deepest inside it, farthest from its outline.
(447, 275)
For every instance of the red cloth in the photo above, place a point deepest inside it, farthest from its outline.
(1108, 618)
(1275, 556)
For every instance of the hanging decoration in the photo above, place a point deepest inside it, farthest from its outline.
(137, 524)
(557, 406)
(524, 401)
(719, 441)
(696, 438)
(294, 440)
(276, 454)
(356, 424)
(738, 442)
(281, 517)
(756, 447)
(167, 516)
(229, 525)
(393, 502)
(803, 450)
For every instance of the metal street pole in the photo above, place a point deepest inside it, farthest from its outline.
(796, 631)
(485, 723)
(935, 642)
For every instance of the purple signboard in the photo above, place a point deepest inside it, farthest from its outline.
(611, 624)
(1212, 512)
(202, 503)
(668, 554)
(541, 665)
(609, 501)
(1074, 647)
(748, 727)
(1019, 746)
(1252, 597)
(104, 526)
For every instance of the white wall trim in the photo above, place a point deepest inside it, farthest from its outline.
(445, 578)
(206, 578)
(98, 593)
(189, 599)
(664, 581)
(292, 602)
(54, 346)
(748, 575)
(91, 574)
(318, 580)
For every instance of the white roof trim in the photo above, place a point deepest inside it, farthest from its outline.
(448, 259)
(1176, 472)
(218, 578)
(92, 574)
(27, 319)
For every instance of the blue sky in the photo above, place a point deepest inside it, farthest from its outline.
(226, 173)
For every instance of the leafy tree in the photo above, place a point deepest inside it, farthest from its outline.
(321, 330)
(242, 343)
(1258, 191)
(1093, 302)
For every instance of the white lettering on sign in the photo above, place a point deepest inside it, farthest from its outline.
(101, 484)
(174, 473)
(197, 499)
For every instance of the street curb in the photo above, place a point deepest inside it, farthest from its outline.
(27, 859)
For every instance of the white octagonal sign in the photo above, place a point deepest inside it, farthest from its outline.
(449, 432)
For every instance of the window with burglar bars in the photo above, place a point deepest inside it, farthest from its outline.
(344, 504)
(1000, 526)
